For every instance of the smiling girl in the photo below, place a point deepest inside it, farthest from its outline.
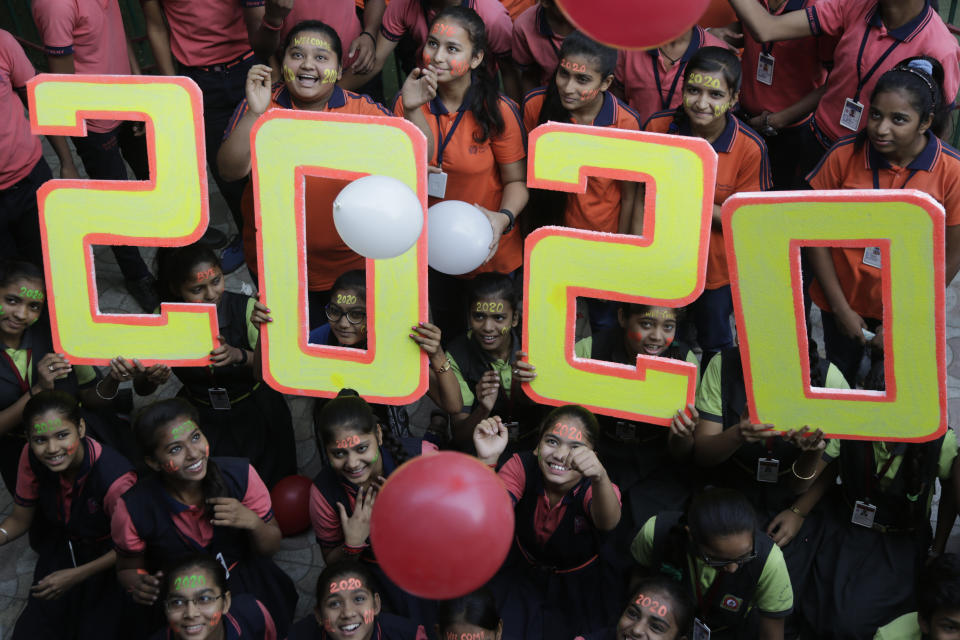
(659, 609)
(68, 486)
(192, 503)
(311, 68)
(199, 606)
(711, 87)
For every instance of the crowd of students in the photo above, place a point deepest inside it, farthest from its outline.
(714, 527)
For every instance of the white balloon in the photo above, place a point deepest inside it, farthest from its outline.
(378, 217)
(459, 237)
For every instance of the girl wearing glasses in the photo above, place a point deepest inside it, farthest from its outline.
(360, 455)
(199, 606)
(68, 485)
(347, 327)
(349, 608)
(733, 570)
(194, 502)
(240, 415)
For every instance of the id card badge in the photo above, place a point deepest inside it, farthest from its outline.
(850, 117)
(513, 431)
(872, 257)
(768, 470)
(863, 514)
(700, 630)
(626, 431)
(765, 69)
(219, 398)
(437, 185)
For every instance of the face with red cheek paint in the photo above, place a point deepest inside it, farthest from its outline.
(580, 81)
(347, 608)
(181, 451)
(450, 52)
(55, 441)
(650, 330)
(195, 605)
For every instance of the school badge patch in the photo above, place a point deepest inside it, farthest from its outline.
(731, 603)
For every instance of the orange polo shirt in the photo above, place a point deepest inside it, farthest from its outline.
(327, 255)
(742, 165)
(473, 168)
(935, 171)
(598, 209)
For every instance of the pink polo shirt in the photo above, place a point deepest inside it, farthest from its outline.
(191, 521)
(28, 485)
(207, 32)
(546, 518)
(851, 21)
(407, 16)
(339, 14)
(535, 44)
(649, 85)
(89, 30)
(798, 67)
(19, 149)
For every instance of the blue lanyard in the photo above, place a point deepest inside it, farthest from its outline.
(876, 179)
(443, 141)
(862, 80)
(681, 65)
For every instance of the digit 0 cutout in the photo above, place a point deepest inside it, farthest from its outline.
(286, 147)
(667, 265)
(764, 234)
(168, 210)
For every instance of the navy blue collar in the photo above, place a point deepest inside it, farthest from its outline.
(437, 107)
(337, 99)
(696, 41)
(906, 32)
(724, 143)
(543, 27)
(923, 162)
(608, 111)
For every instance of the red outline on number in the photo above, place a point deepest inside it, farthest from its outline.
(864, 197)
(644, 363)
(80, 129)
(362, 356)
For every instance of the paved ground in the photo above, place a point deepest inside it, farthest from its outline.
(300, 556)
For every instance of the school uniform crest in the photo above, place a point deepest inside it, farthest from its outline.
(731, 603)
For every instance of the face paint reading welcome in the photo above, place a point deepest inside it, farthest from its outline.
(186, 582)
(316, 42)
(347, 584)
(655, 607)
(47, 426)
(567, 431)
(348, 442)
(481, 635)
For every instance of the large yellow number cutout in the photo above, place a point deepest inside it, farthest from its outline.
(664, 266)
(764, 234)
(287, 146)
(170, 209)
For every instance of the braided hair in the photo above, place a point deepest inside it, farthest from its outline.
(349, 411)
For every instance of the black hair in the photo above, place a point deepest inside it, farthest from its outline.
(493, 285)
(486, 88)
(349, 411)
(314, 25)
(710, 60)
(344, 567)
(154, 417)
(176, 265)
(635, 308)
(354, 280)
(478, 608)
(681, 600)
(939, 586)
(547, 206)
(589, 421)
(202, 561)
(52, 400)
(921, 79)
(11, 270)
(718, 512)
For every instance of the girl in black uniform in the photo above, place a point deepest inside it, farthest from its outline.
(68, 487)
(349, 608)
(199, 606)
(240, 415)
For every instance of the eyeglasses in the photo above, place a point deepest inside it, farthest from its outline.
(334, 313)
(205, 602)
(716, 563)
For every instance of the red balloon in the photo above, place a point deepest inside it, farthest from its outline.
(291, 504)
(633, 24)
(718, 14)
(442, 525)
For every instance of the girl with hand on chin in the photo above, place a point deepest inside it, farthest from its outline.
(475, 143)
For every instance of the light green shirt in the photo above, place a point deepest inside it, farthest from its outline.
(906, 627)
